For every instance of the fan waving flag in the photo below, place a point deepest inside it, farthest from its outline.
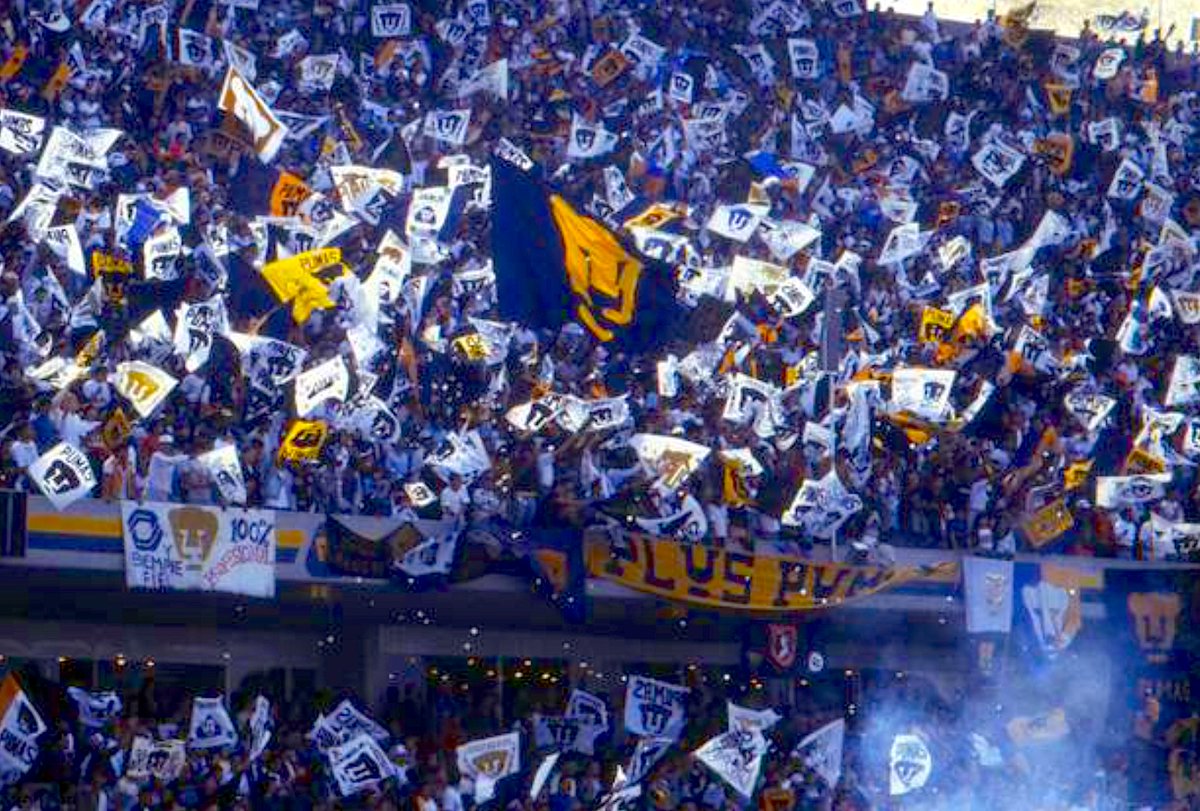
(555, 265)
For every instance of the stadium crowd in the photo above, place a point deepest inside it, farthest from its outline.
(1063, 357)
(977, 763)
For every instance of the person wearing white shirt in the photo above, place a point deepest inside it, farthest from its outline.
(24, 451)
(278, 490)
(455, 499)
(160, 474)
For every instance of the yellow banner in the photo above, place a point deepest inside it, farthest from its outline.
(294, 279)
(14, 63)
(1058, 149)
(1076, 474)
(287, 194)
(935, 325)
(1059, 96)
(1048, 524)
(110, 264)
(303, 441)
(736, 581)
(608, 68)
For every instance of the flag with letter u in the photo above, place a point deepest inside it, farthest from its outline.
(555, 265)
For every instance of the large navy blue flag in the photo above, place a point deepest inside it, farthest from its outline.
(554, 265)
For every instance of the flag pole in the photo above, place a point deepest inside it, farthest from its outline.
(831, 350)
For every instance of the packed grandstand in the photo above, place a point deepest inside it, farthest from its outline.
(719, 277)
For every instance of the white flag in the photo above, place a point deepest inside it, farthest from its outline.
(988, 585)
(162, 760)
(903, 241)
(681, 87)
(821, 506)
(910, 764)
(1108, 63)
(20, 726)
(491, 79)
(821, 751)
(359, 765)
(544, 769)
(924, 84)
(63, 474)
(1187, 306)
(1127, 181)
(1114, 492)
(1090, 408)
(923, 392)
(672, 458)
(389, 20)
(318, 72)
(646, 754)
(737, 222)
(242, 59)
(736, 757)
(211, 727)
(329, 380)
(489, 760)
(655, 708)
(688, 523)
(195, 49)
(998, 162)
(95, 709)
(805, 59)
(63, 241)
(1047, 606)
(196, 324)
(21, 133)
(160, 254)
(745, 719)
(588, 140)
(447, 126)
(260, 727)
(225, 469)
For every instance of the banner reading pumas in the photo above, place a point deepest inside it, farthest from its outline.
(738, 581)
(655, 708)
(554, 265)
(20, 726)
(169, 547)
(63, 474)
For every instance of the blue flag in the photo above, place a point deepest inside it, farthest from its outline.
(554, 265)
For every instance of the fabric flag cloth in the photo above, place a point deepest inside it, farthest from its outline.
(735, 757)
(260, 727)
(910, 765)
(489, 760)
(821, 751)
(211, 726)
(20, 726)
(345, 723)
(359, 765)
(555, 265)
(63, 474)
(542, 774)
(225, 469)
(96, 709)
(655, 708)
(646, 753)
(745, 719)
(988, 585)
(162, 760)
